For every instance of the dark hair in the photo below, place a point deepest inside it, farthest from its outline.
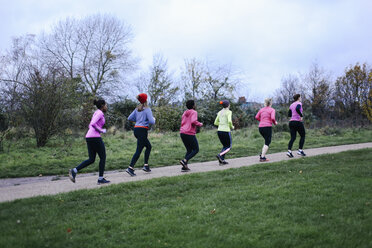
(190, 104)
(99, 103)
(225, 103)
(295, 97)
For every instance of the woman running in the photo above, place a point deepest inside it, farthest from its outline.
(224, 123)
(143, 118)
(296, 125)
(188, 133)
(266, 117)
(95, 143)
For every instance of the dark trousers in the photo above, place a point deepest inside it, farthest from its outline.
(225, 138)
(142, 141)
(266, 133)
(95, 145)
(294, 127)
(191, 144)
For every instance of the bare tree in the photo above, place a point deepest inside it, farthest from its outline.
(290, 86)
(63, 45)
(193, 78)
(318, 85)
(220, 81)
(95, 48)
(36, 89)
(160, 84)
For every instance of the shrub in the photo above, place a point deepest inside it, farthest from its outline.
(168, 118)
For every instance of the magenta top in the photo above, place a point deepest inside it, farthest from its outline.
(295, 115)
(96, 124)
(189, 122)
(266, 117)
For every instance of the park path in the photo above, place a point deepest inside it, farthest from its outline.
(18, 188)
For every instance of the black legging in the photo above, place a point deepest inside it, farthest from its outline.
(266, 133)
(95, 145)
(225, 138)
(294, 127)
(142, 141)
(191, 144)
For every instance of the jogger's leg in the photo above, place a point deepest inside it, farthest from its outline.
(293, 132)
(102, 157)
(91, 153)
(301, 131)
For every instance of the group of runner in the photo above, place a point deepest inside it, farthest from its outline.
(143, 118)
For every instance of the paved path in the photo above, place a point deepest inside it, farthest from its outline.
(17, 188)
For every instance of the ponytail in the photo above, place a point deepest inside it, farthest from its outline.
(99, 103)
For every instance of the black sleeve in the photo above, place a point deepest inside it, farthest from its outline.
(298, 110)
(289, 113)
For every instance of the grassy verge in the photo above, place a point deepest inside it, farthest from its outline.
(22, 158)
(322, 201)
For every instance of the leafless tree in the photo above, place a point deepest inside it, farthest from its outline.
(160, 86)
(36, 89)
(95, 48)
(291, 85)
(318, 86)
(193, 78)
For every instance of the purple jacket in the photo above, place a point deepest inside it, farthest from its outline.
(96, 124)
(295, 115)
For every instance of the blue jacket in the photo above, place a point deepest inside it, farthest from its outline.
(143, 118)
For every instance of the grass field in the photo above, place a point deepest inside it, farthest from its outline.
(22, 158)
(323, 201)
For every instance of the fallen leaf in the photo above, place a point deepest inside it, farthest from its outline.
(213, 211)
(69, 230)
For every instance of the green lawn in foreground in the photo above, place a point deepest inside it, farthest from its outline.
(24, 159)
(323, 201)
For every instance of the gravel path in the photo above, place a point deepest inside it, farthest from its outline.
(18, 188)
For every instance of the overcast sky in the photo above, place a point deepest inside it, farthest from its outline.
(262, 39)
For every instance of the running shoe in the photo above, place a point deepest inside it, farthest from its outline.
(102, 181)
(146, 168)
(289, 154)
(301, 152)
(183, 163)
(185, 169)
(225, 162)
(130, 172)
(72, 175)
(263, 159)
(220, 159)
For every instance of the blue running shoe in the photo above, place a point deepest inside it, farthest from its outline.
(289, 154)
(301, 152)
(130, 171)
(102, 181)
(146, 168)
(220, 159)
(72, 175)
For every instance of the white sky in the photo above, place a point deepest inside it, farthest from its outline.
(263, 39)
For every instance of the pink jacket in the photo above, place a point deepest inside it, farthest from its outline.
(266, 116)
(189, 122)
(96, 124)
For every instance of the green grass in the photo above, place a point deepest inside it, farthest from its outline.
(323, 201)
(22, 158)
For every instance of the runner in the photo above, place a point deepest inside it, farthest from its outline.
(143, 118)
(296, 125)
(188, 133)
(266, 117)
(95, 143)
(224, 123)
